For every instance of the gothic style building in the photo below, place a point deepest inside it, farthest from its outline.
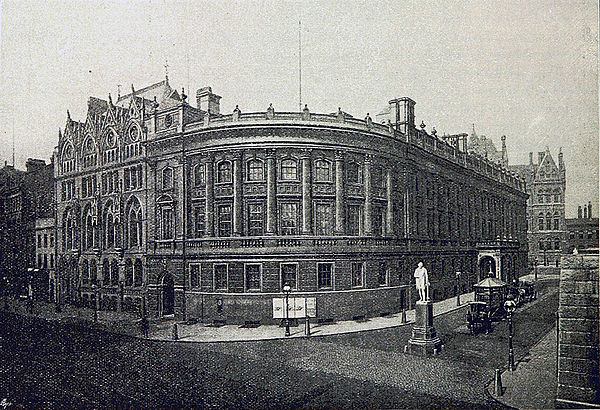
(206, 215)
(547, 231)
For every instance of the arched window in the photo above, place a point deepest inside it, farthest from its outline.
(114, 273)
(556, 221)
(541, 244)
(557, 244)
(255, 170)
(541, 222)
(138, 273)
(354, 173)
(289, 170)
(128, 272)
(93, 272)
(167, 178)
(224, 172)
(548, 221)
(322, 171)
(68, 230)
(199, 175)
(68, 159)
(88, 240)
(89, 152)
(110, 230)
(134, 228)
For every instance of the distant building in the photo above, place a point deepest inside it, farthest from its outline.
(485, 147)
(547, 232)
(45, 251)
(24, 196)
(583, 230)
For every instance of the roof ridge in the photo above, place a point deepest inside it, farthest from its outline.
(142, 90)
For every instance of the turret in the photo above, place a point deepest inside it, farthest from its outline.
(504, 154)
(561, 162)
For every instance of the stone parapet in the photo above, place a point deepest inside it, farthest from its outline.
(578, 334)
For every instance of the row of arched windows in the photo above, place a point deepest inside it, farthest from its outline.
(549, 222)
(549, 244)
(288, 171)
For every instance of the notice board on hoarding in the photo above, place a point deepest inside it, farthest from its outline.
(298, 308)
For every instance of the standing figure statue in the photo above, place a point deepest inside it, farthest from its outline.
(422, 282)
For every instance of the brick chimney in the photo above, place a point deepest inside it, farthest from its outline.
(579, 212)
(531, 158)
(207, 101)
(589, 209)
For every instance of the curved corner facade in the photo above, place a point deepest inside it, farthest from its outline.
(189, 212)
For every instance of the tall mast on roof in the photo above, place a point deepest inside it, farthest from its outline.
(300, 64)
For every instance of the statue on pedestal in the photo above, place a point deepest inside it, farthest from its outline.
(422, 282)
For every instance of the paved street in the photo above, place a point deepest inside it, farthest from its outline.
(58, 365)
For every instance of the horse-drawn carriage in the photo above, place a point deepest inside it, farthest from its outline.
(522, 292)
(478, 317)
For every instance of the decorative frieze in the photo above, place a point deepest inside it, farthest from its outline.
(223, 190)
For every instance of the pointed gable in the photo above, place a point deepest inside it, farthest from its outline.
(547, 168)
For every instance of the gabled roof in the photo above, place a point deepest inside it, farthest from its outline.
(161, 91)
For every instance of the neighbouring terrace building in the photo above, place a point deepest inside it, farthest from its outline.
(200, 214)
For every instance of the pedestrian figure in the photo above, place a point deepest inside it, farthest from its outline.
(422, 282)
(174, 332)
(145, 326)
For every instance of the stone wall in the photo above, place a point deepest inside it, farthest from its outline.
(578, 336)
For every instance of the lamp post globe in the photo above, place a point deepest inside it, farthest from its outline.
(287, 289)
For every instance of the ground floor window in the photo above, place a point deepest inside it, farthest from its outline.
(220, 276)
(194, 275)
(289, 274)
(325, 275)
(357, 274)
(252, 276)
(382, 274)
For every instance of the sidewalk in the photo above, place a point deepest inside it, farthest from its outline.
(533, 384)
(234, 333)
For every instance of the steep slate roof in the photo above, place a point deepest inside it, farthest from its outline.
(162, 91)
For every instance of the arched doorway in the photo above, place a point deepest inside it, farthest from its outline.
(487, 267)
(168, 295)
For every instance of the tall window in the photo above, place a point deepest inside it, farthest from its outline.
(325, 275)
(289, 275)
(114, 273)
(255, 219)
(110, 230)
(199, 175)
(288, 218)
(221, 276)
(289, 170)
(224, 215)
(93, 270)
(195, 275)
(166, 223)
(138, 273)
(557, 244)
(106, 272)
(541, 222)
(89, 231)
(357, 274)
(378, 221)
(324, 218)
(322, 171)
(224, 172)
(541, 245)
(255, 170)
(378, 181)
(128, 272)
(167, 178)
(252, 274)
(199, 218)
(354, 173)
(382, 274)
(84, 272)
(354, 219)
(556, 221)
(548, 221)
(135, 224)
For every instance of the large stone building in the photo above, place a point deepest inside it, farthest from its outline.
(583, 230)
(24, 196)
(547, 232)
(201, 214)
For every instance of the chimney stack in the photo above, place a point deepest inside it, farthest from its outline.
(585, 212)
(579, 212)
(561, 162)
(531, 158)
(589, 209)
(207, 101)
(402, 112)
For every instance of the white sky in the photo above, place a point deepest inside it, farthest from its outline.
(526, 69)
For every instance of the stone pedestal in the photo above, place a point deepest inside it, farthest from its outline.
(424, 340)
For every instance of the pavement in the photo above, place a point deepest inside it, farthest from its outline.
(532, 385)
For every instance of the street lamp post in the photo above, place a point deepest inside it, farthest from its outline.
(286, 290)
(510, 306)
(458, 288)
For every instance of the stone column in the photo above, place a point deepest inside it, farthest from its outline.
(389, 215)
(271, 193)
(237, 194)
(210, 197)
(340, 217)
(306, 192)
(368, 231)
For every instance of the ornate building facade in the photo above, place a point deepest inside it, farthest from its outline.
(547, 232)
(203, 215)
